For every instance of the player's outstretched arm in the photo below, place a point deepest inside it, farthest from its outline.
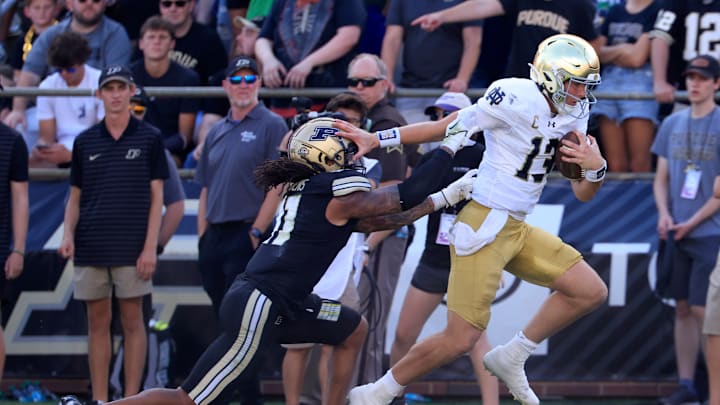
(457, 191)
(409, 134)
(465, 11)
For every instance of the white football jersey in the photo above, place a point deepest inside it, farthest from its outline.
(521, 135)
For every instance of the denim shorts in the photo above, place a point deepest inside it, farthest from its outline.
(617, 79)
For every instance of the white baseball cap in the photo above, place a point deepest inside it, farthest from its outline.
(450, 101)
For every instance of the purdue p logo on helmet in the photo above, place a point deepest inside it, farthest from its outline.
(561, 58)
(316, 145)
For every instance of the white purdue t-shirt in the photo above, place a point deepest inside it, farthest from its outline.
(72, 115)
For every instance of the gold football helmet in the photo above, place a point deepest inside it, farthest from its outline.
(560, 60)
(315, 145)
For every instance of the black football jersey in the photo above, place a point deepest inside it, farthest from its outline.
(303, 243)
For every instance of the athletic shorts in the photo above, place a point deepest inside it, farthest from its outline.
(619, 79)
(529, 253)
(690, 263)
(250, 325)
(349, 298)
(711, 325)
(431, 279)
(94, 283)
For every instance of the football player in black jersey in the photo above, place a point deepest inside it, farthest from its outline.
(325, 201)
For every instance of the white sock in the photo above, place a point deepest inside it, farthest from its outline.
(521, 341)
(391, 385)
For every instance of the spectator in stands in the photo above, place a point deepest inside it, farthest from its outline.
(131, 14)
(41, 14)
(442, 58)
(558, 17)
(197, 47)
(627, 127)
(14, 211)
(688, 216)
(7, 79)
(107, 39)
(173, 192)
(112, 222)
(676, 39)
(216, 108)
(173, 116)
(248, 33)
(367, 76)
(430, 280)
(62, 118)
(307, 43)
(711, 327)
(234, 212)
(306, 366)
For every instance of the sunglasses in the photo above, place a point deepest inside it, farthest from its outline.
(354, 81)
(71, 69)
(137, 109)
(94, 1)
(434, 116)
(177, 3)
(249, 79)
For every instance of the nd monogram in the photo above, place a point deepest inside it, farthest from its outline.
(495, 96)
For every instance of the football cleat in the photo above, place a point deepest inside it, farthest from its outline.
(69, 400)
(501, 363)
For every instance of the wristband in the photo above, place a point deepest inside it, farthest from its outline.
(256, 233)
(439, 200)
(596, 176)
(389, 137)
(20, 252)
(366, 248)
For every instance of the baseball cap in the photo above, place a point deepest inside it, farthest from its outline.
(140, 96)
(704, 65)
(241, 62)
(450, 101)
(115, 73)
(254, 23)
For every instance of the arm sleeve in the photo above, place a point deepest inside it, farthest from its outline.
(352, 12)
(45, 104)
(158, 161)
(424, 179)
(76, 165)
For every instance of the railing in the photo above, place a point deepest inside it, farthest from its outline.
(215, 91)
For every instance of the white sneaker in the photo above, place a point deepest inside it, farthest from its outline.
(368, 394)
(501, 363)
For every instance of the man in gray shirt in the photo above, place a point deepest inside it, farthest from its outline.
(108, 40)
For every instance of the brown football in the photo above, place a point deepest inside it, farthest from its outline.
(570, 170)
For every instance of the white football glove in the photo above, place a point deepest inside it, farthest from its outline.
(457, 135)
(457, 191)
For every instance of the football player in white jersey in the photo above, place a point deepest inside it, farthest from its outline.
(523, 121)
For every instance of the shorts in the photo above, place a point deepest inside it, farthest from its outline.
(711, 326)
(251, 323)
(529, 253)
(349, 298)
(690, 263)
(625, 80)
(431, 279)
(94, 283)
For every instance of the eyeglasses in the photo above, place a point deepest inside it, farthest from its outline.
(434, 116)
(94, 1)
(71, 69)
(354, 81)
(137, 109)
(249, 79)
(177, 3)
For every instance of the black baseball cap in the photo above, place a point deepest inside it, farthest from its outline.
(241, 62)
(115, 73)
(704, 65)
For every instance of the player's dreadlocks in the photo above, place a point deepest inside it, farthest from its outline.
(273, 173)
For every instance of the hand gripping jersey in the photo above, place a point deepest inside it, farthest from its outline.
(521, 135)
(303, 243)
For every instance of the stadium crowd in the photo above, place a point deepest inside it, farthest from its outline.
(369, 47)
